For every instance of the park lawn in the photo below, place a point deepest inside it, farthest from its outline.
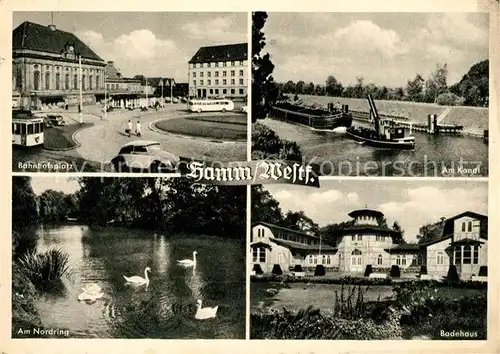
(61, 138)
(222, 118)
(206, 129)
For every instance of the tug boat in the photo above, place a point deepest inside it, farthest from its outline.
(386, 135)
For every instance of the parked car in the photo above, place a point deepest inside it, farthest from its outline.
(144, 155)
(56, 119)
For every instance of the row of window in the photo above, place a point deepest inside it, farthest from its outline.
(216, 73)
(287, 236)
(466, 225)
(367, 218)
(87, 82)
(127, 88)
(217, 64)
(47, 67)
(466, 255)
(31, 128)
(377, 238)
(216, 82)
(224, 92)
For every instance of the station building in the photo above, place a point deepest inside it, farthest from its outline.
(463, 242)
(219, 71)
(45, 68)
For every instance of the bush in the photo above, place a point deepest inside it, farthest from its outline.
(395, 272)
(423, 270)
(257, 269)
(447, 99)
(24, 313)
(298, 268)
(368, 270)
(277, 270)
(267, 145)
(452, 274)
(483, 271)
(43, 269)
(320, 270)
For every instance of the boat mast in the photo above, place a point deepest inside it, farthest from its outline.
(374, 112)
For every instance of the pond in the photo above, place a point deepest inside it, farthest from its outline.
(163, 309)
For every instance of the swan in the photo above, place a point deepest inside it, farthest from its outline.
(204, 313)
(139, 280)
(90, 296)
(92, 288)
(189, 262)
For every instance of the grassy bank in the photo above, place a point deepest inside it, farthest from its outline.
(228, 131)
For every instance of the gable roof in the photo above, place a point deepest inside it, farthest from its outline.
(33, 36)
(218, 53)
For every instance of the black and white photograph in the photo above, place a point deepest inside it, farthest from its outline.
(99, 257)
(128, 91)
(372, 94)
(370, 260)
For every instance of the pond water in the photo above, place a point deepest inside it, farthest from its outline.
(163, 309)
(434, 156)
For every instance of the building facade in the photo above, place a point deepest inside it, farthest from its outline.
(219, 71)
(46, 68)
(463, 242)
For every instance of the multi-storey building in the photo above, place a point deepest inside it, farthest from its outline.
(219, 71)
(46, 68)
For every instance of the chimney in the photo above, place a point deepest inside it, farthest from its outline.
(52, 27)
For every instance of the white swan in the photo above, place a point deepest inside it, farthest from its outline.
(92, 288)
(139, 280)
(207, 312)
(189, 262)
(90, 296)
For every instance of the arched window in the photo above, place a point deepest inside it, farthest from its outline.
(463, 226)
(403, 260)
(467, 255)
(36, 80)
(58, 83)
(458, 255)
(66, 82)
(83, 82)
(97, 82)
(47, 81)
(356, 252)
(398, 260)
(469, 226)
(90, 82)
(75, 82)
(380, 259)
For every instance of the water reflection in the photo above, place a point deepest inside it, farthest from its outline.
(163, 309)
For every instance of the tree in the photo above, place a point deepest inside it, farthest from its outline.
(264, 90)
(24, 215)
(267, 145)
(298, 220)
(474, 85)
(331, 233)
(415, 88)
(399, 238)
(436, 83)
(299, 87)
(333, 87)
(289, 87)
(430, 232)
(309, 89)
(359, 87)
(264, 207)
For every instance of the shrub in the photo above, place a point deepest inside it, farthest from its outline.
(24, 313)
(298, 268)
(483, 271)
(277, 270)
(395, 272)
(368, 270)
(423, 270)
(43, 269)
(447, 99)
(452, 274)
(257, 269)
(320, 270)
(267, 145)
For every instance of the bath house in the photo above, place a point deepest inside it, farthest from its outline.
(463, 242)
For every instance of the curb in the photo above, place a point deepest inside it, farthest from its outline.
(73, 138)
(152, 127)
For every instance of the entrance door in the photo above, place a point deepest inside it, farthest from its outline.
(356, 261)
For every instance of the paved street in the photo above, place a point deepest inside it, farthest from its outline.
(102, 141)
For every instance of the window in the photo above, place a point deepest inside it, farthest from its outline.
(241, 81)
(315, 259)
(241, 92)
(310, 259)
(380, 259)
(463, 226)
(233, 91)
(209, 82)
(232, 63)
(232, 82)
(403, 260)
(224, 91)
(58, 83)
(36, 80)
(262, 254)
(212, 65)
(224, 63)
(467, 255)
(194, 82)
(398, 260)
(440, 258)
(469, 226)
(224, 73)
(198, 65)
(194, 74)
(216, 74)
(233, 73)
(216, 90)
(216, 65)
(209, 74)
(353, 238)
(211, 91)
(241, 72)
(476, 255)
(201, 82)
(90, 82)
(47, 81)
(205, 65)
(201, 74)
(359, 237)
(458, 255)
(83, 82)
(75, 82)
(328, 260)
(97, 84)
(241, 62)
(66, 81)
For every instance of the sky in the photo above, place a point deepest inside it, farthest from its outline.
(383, 48)
(411, 203)
(148, 43)
(67, 185)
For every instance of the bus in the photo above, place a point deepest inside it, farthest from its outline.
(27, 129)
(210, 105)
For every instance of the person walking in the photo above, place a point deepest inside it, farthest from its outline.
(138, 128)
(129, 128)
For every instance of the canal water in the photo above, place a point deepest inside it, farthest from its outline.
(434, 156)
(163, 309)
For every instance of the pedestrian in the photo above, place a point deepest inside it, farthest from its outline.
(129, 128)
(138, 128)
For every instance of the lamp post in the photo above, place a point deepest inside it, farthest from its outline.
(81, 83)
(147, 93)
(161, 84)
(171, 86)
